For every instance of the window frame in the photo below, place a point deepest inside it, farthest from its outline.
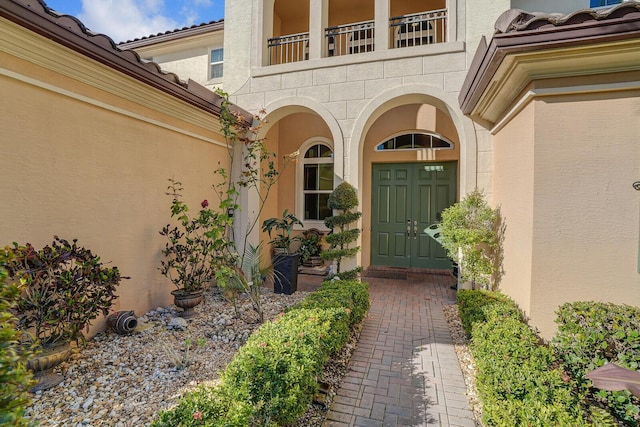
(299, 184)
(213, 63)
(452, 145)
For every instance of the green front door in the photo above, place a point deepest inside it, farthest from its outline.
(406, 199)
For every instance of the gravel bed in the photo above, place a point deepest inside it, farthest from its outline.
(467, 364)
(126, 380)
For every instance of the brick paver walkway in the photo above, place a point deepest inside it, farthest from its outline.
(405, 371)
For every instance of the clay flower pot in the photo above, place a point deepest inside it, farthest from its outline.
(187, 300)
(123, 322)
(42, 365)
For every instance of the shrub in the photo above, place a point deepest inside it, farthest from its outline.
(272, 378)
(591, 334)
(14, 376)
(517, 380)
(472, 236)
(66, 287)
(475, 305)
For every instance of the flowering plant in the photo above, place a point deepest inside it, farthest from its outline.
(196, 246)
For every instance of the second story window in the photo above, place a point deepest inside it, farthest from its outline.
(216, 63)
(602, 3)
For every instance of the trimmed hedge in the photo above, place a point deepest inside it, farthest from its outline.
(517, 380)
(591, 334)
(474, 305)
(272, 378)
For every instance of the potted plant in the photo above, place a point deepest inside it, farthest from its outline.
(310, 248)
(285, 264)
(193, 248)
(64, 287)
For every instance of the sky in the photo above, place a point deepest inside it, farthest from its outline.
(124, 20)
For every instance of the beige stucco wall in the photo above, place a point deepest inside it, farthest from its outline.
(81, 161)
(513, 192)
(587, 215)
(563, 172)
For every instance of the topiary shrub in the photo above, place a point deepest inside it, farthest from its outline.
(344, 199)
(14, 376)
(591, 334)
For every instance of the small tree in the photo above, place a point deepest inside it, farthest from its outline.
(472, 235)
(343, 230)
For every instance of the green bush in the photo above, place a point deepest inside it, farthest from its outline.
(272, 378)
(472, 234)
(591, 334)
(516, 378)
(475, 305)
(14, 376)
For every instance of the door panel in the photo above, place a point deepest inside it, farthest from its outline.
(407, 199)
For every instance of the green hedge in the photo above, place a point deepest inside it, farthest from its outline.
(474, 305)
(272, 378)
(591, 334)
(517, 380)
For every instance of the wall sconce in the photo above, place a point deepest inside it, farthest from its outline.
(230, 212)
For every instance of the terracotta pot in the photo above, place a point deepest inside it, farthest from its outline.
(42, 365)
(123, 322)
(187, 301)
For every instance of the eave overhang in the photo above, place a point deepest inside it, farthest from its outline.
(68, 31)
(529, 47)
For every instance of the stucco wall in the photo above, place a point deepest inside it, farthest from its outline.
(587, 214)
(513, 192)
(82, 162)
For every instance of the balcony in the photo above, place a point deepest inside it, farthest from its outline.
(416, 29)
(290, 48)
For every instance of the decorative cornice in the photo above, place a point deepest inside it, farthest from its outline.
(69, 32)
(534, 46)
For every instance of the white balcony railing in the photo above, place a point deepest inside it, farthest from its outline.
(348, 39)
(418, 28)
(289, 48)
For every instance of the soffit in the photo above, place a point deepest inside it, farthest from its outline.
(529, 47)
(517, 71)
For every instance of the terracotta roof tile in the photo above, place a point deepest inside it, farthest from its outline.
(519, 20)
(177, 30)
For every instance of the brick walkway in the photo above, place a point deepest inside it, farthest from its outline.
(405, 371)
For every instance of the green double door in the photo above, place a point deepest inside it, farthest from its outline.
(406, 199)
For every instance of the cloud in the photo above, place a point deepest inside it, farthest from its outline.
(124, 20)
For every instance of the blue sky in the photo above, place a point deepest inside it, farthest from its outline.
(124, 20)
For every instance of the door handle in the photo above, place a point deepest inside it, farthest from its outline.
(415, 230)
(409, 229)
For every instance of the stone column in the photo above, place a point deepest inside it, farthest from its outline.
(382, 25)
(318, 20)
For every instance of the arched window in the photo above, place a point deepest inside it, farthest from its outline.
(316, 183)
(416, 141)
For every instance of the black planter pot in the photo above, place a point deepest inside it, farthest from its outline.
(285, 270)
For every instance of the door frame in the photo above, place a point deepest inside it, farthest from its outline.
(439, 260)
